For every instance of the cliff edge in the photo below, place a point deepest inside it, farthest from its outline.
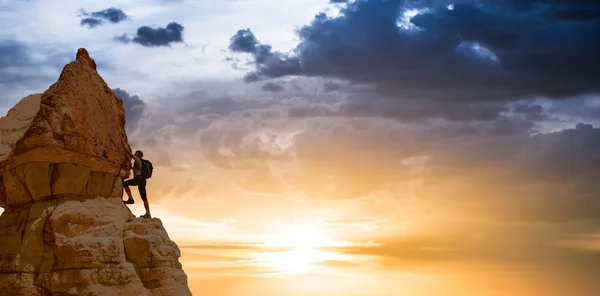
(65, 230)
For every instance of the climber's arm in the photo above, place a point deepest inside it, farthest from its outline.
(127, 150)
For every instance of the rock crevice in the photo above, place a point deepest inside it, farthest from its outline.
(65, 230)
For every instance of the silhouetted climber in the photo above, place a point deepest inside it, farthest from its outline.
(142, 170)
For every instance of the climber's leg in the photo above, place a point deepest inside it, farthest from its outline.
(142, 189)
(126, 185)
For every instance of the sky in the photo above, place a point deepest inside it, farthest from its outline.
(367, 147)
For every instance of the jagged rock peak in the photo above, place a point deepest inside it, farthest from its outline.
(79, 119)
(84, 57)
(65, 230)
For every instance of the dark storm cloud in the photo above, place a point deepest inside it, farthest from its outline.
(113, 15)
(18, 72)
(570, 152)
(19, 69)
(267, 62)
(134, 106)
(272, 87)
(91, 22)
(13, 53)
(401, 111)
(97, 18)
(531, 111)
(331, 86)
(153, 37)
(224, 106)
(585, 108)
(478, 50)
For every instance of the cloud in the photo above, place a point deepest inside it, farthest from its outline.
(224, 105)
(545, 177)
(267, 62)
(232, 148)
(407, 111)
(272, 87)
(331, 86)
(365, 223)
(124, 38)
(134, 107)
(569, 152)
(13, 54)
(484, 160)
(477, 51)
(531, 111)
(97, 18)
(153, 37)
(487, 160)
(587, 242)
(583, 108)
(257, 246)
(91, 22)
(505, 242)
(25, 69)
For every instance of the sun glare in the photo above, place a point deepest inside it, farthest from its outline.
(299, 249)
(297, 261)
(301, 235)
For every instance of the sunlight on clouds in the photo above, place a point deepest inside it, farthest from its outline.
(272, 141)
(301, 234)
(335, 9)
(476, 52)
(404, 21)
(298, 261)
(225, 151)
(590, 242)
(370, 227)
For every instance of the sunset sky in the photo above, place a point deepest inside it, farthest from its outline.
(368, 147)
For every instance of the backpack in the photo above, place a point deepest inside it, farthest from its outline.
(146, 168)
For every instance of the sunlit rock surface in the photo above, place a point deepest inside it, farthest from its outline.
(65, 230)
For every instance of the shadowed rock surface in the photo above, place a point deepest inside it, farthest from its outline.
(65, 230)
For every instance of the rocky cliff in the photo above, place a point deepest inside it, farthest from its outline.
(64, 229)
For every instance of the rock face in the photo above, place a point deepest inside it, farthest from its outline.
(65, 230)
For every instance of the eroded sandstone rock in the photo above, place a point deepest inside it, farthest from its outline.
(65, 230)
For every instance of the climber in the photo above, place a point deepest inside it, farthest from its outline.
(138, 180)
